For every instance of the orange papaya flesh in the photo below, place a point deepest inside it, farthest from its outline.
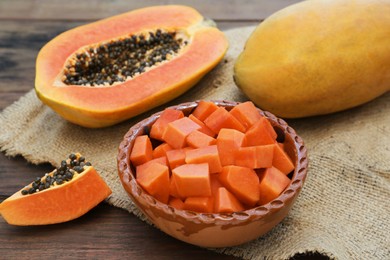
(242, 182)
(199, 204)
(161, 150)
(154, 178)
(228, 143)
(105, 105)
(176, 203)
(204, 129)
(281, 160)
(173, 192)
(226, 202)
(167, 116)
(246, 113)
(176, 157)
(59, 201)
(142, 150)
(231, 173)
(272, 183)
(199, 139)
(260, 134)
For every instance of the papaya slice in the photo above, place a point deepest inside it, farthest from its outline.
(66, 193)
(111, 70)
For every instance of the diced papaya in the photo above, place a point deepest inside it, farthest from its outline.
(260, 133)
(173, 188)
(255, 157)
(271, 129)
(176, 157)
(228, 142)
(215, 184)
(226, 202)
(167, 116)
(207, 154)
(282, 161)
(199, 204)
(176, 203)
(161, 150)
(204, 129)
(154, 179)
(242, 182)
(176, 132)
(246, 113)
(192, 180)
(161, 160)
(204, 109)
(272, 184)
(142, 150)
(198, 139)
(221, 118)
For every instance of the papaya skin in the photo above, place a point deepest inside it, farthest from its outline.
(96, 107)
(317, 57)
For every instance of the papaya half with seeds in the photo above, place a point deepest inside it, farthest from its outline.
(317, 57)
(66, 193)
(108, 71)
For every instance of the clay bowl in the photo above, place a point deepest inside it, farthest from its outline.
(212, 229)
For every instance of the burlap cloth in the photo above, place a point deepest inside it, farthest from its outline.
(343, 211)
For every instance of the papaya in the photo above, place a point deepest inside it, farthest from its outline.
(105, 72)
(317, 57)
(64, 194)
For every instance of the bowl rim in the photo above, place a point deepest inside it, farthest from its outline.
(135, 191)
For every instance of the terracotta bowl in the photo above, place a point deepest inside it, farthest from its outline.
(213, 229)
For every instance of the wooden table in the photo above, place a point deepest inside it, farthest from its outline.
(105, 232)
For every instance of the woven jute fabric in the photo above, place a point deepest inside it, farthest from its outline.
(342, 212)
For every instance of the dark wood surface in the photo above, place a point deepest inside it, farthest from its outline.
(105, 232)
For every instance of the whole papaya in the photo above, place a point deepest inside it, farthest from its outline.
(317, 57)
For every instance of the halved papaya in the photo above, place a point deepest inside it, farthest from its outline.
(108, 71)
(62, 195)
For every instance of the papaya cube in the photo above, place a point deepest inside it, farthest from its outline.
(176, 132)
(199, 204)
(192, 180)
(204, 129)
(260, 133)
(154, 179)
(242, 182)
(228, 142)
(176, 203)
(255, 157)
(272, 184)
(221, 118)
(282, 161)
(161, 160)
(204, 109)
(246, 113)
(173, 188)
(215, 184)
(176, 157)
(226, 202)
(142, 150)
(207, 154)
(161, 150)
(198, 139)
(167, 116)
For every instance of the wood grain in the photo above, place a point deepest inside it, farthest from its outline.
(103, 233)
(96, 9)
